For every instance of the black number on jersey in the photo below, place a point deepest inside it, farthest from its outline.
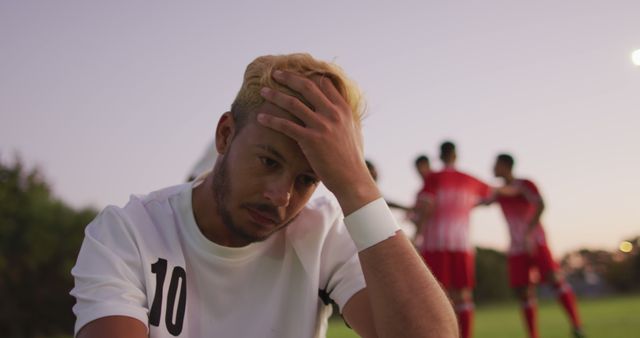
(178, 278)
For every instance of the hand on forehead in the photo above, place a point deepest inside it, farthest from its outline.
(328, 134)
(305, 96)
(273, 110)
(312, 90)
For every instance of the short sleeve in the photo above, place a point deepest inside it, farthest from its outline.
(484, 190)
(108, 275)
(531, 190)
(340, 270)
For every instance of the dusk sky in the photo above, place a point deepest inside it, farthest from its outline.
(111, 98)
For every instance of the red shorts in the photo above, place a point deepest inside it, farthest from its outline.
(453, 269)
(526, 269)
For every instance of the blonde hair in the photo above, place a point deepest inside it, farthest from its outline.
(258, 75)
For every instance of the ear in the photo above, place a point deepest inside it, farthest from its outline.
(225, 132)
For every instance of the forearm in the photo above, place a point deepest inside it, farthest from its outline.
(422, 212)
(420, 224)
(406, 300)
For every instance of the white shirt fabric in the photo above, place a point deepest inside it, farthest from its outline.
(266, 289)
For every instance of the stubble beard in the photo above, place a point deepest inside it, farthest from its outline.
(221, 187)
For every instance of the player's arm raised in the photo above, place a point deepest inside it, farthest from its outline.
(402, 298)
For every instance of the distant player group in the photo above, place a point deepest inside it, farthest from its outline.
(441, 215)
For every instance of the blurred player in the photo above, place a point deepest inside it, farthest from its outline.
(450, 196)
(522, 206)
(420, 213)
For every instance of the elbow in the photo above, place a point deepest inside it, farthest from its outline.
(451, 330)
(448, 328)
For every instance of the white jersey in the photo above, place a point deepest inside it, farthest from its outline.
(150, 261)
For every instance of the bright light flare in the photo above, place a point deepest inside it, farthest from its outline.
(626, 246)
(635, 57)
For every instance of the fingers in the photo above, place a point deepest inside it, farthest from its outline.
(329, 89)
(304, 86)
(283, 125)
(318, 90)
(291, 104)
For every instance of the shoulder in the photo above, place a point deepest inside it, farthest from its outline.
(320, 217)
(527, 183)
(319, 230)
(321, 209)
(158, 196)
(135, 216)
(432, 179)
(454, 174)
(465, 177)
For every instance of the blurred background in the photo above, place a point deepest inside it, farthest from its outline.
(99, 100)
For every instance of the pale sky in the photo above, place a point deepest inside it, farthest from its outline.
(116, 97)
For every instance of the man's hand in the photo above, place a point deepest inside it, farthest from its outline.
(328, 136)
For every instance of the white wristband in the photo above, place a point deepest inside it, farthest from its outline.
(371, 224)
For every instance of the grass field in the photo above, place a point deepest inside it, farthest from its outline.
(617, 317)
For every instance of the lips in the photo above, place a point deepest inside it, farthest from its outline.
(262, 218)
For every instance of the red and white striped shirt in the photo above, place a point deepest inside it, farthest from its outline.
(518, 210)
(454, 194)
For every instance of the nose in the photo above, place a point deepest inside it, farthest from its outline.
(278, 192)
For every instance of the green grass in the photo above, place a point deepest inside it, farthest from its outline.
(616, 317)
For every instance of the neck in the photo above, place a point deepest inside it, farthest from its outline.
(508, 178)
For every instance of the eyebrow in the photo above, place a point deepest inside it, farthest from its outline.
(279, 156)
(271, 151)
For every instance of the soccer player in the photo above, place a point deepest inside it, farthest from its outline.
(446, 247)
(522, 206)
(244, 251)
(420, 212)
